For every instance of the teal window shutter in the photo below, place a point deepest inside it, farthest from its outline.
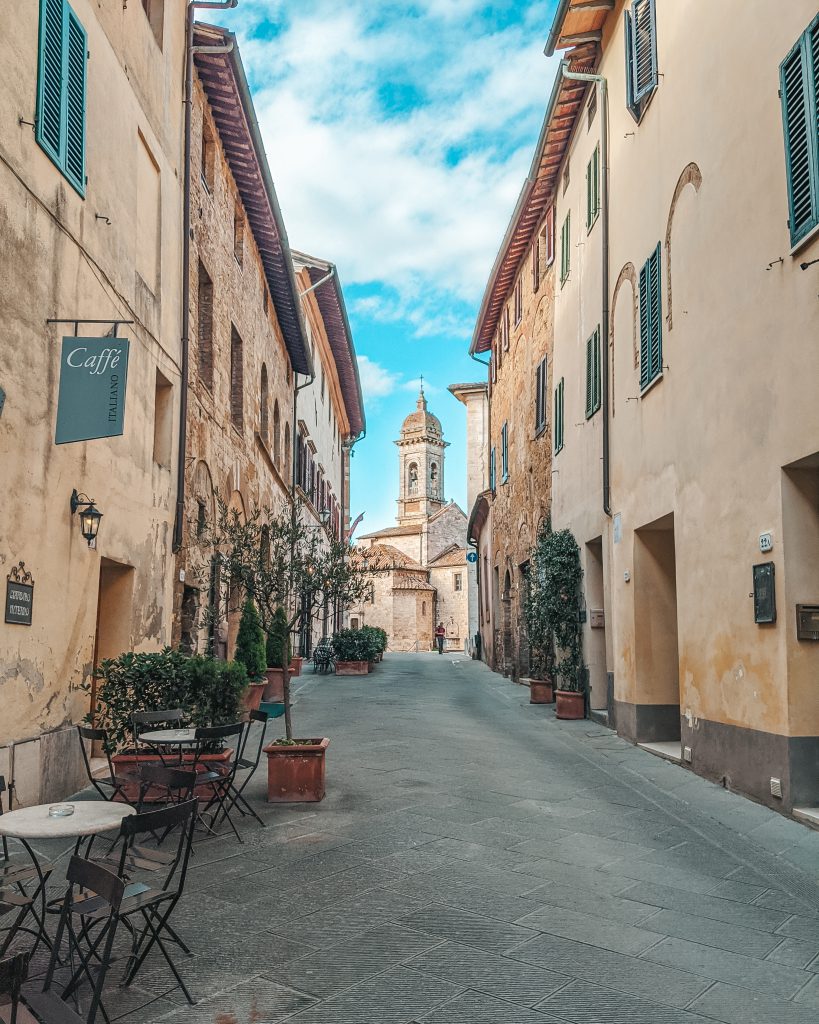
(504, 452)
(632, 106)
(593, 188)
(558, 416)
(593, 393)
(492, 469)
(565, 240)
(61, 90)
(651, 335)
(644, 48)
(799, 91)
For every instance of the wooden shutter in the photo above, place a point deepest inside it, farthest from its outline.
(492, 469)
(651, 337)
(565, 236)
(49, 131)
(799, 91)
(558, 416)
(644, 48)
(75, 103)
(632, 106)
(589, 377)
(596, 376)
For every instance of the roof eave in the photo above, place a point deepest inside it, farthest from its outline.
(557, 25)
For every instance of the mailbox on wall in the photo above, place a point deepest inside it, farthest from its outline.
(807, 622)
(764, 593)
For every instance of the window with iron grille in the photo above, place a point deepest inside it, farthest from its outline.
(504, 453)
(518, 301)
(565, 242)
(593, 189)
(61, 86)
(458, 581)
(651, 332)
(593, 388)
(540, 396)
(641, 56)
(799, 92)
(558, 417)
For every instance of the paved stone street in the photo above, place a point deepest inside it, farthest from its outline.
(477, 861)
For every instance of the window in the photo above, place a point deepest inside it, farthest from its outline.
(591, 109)
(593, 373)
(799, 90)
(277, 455)
(155, 13)
(264, 413)
(518, 301)
(558, 416)
(201, 517)
(540, 396)
(433, 480)
(651, 334)
(565, 177)
(205, 326)
(546, 243)
(287, 451)
(492, 469)
(505, 328)
(412, 479)
(61, 82)
(458, 581)
(149, 216)
(565, 241)
(593, 189)
(163, 420)
(504, 453)
(236, 378)
(641, 56)
(536, 263)
(238, 235)
(493, 364)
(208, 157)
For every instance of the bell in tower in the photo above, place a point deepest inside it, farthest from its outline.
(421, 449)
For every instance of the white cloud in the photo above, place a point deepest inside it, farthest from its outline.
(376, 381)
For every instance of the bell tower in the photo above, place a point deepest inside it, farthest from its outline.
(421, 449)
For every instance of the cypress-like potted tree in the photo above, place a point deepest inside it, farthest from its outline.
(278, 654)
(250, 652)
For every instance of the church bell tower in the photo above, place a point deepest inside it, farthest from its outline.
(421, 464)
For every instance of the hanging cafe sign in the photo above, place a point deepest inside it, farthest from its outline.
(93, 377)
(19, 595)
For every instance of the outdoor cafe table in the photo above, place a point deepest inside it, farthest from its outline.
(90, 818)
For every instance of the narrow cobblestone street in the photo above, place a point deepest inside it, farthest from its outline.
(477, 861)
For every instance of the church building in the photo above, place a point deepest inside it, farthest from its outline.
(423, 570)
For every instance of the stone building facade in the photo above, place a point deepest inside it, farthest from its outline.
(423, 569)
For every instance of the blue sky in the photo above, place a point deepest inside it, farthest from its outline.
(399, 136)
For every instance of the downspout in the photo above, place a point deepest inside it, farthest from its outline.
(578, 76)
(190, 49)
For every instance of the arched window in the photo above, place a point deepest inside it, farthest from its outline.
(264, 545)
(264, 402)
(433, 478)
(287, 451)
(276, 442)
(236, 373)
(412, 477)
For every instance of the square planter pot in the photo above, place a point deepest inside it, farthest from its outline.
(570, 705)
(541, 692)
(352, 668)
(274, 688)
(130, 763)
(295, 774)
(295, 665)
(252, 697)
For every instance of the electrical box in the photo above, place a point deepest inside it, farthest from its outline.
(764, 593)
(597, 618)
(807, 622)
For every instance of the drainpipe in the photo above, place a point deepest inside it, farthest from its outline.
(190, 49)
(578, 76)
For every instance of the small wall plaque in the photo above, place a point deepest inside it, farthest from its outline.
(764, 593)
(807, 622)
(597, 618)
(19, 595)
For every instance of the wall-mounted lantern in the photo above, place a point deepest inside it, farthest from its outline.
(90, 515)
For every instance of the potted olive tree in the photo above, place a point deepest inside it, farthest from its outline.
(286, 563)
(250, 652)
(278, 654)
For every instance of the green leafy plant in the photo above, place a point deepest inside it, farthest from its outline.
(250, 642)
(351, 645)
(278, 640)
(376, 640)
(208, 691)
(551, 610)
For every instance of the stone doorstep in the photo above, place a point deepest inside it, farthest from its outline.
(808, 816)
(671, 751)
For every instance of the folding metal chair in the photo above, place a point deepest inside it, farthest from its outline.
(172, 718)
(13, 972)
(219, 783)
(17, 897)
(176, 784)
(93, 898)
(150, 899)
(248, 764)
(115, 781)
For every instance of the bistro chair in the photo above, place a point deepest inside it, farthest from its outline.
(249, 764)
(114, 781)
(156, 882)
(217, 782)
(92, 903)
(175, 785)
(13, 972)
(17, 876)
(323, 659)
(148, 721)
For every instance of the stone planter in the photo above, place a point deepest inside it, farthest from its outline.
(352, 668)
(295, 772)
(129, 764)
(274, 688)
(252, 697)
(570, 705)
(541, 691)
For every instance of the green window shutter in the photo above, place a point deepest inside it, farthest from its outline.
(593, 188)
(799, 91)
(644, 48)
(492, 469)
(644, 322)
(651, 333)
(589, 377)
(558, 416)
(656, 320)
(49, 128)
(565, 239)
(632, 106)
(76, 49)
(598, 362)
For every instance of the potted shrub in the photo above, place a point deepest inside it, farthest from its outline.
(250, 652)
(283, 560)
(376, 643)
(278, 653)
(351, 649)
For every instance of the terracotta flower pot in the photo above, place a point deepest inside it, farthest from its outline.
(295, 665)
(130, 763)
(352, 668)
(570, 705)
(540, 692)
(371, 665)
(295, 773)
(252, 697)
(274, 688)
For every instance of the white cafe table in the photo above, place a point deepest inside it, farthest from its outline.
(90, 818)
(170, 737)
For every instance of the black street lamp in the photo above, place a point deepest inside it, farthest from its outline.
(90, 515)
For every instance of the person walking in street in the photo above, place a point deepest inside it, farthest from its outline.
(440, 633)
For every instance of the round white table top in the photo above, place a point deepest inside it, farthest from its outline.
(169, 736)
(89, 818)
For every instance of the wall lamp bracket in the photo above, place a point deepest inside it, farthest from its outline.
(90, 516)
(804, 266)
